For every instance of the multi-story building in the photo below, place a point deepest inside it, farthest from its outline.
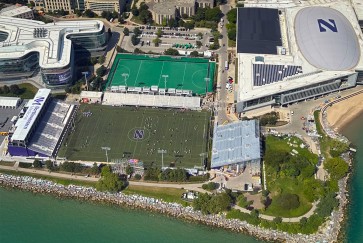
(22, 12)
(30, 47)
(98, 6)
(162, 10)
(54, 5)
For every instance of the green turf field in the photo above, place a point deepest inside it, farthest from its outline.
(182, 134)
(142, 70)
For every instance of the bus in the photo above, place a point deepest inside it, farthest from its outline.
(226, 65)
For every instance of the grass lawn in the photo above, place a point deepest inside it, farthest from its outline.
(138, 134)
(7, 163)
(167, 194)
(287, 185)
(27, 91)
(50, 178)
(278, 183)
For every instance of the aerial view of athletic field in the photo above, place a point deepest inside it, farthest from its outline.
(163, 71)
(138, 134)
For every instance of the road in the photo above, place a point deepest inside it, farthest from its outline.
(222, 75)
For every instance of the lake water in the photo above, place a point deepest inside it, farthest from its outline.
(354, 228)
(27, 217)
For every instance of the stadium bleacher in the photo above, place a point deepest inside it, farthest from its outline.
(148, 100)
(267, 73)
(49, 131)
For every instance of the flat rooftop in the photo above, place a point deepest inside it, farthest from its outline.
(236, 142)
(25, 124)
(49, 40)
(258, 31)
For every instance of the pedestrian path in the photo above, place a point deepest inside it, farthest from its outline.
(291, 220)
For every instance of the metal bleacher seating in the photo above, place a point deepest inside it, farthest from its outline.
(50, 128)
(268, 73)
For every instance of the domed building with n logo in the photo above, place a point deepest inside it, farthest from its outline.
(293, 52)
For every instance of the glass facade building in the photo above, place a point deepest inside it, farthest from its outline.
(83, 44)
(22, 67)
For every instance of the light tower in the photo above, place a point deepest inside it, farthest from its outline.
(165, 77)
(106, 149)
(162, 152)
(85, 78)
(125, 75)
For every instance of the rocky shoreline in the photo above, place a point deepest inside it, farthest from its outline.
(328, 232)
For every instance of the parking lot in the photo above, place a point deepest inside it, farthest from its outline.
(5, 118)
(177, 38)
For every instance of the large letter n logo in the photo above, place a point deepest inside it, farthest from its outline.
(324, 24)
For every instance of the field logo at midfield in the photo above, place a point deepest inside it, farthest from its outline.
(139, 134)
(325, 24)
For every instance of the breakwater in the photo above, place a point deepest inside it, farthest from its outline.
(328, 232)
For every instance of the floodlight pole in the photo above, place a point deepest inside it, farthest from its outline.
(106, 149)
(162, 152)
(125, 75)
(202, 158)
(85, 78)
(206, 85)
(165, 77)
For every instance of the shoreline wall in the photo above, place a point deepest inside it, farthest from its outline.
(327, 233)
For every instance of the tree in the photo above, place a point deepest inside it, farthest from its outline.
(101, 59)
(134, 40)
(135, 11)
(126, 31)
(138, 51)
(303, 221)
(95, 170)
(15, 89)
(78, 12)
(89, 13)
(213, 14)
(156, 41)
(210, 186)
(194, 54)
(137, 32)
(277, 220)
(137, 177)
(145, 16)
(109, 181)
(49, 165)
(232, 16)
(327, 204)
(37, 164)
(242, 201)
(232, 34)
(93, 60)
(159, 33)
(101, 71)
(171, 52)
(288, 201)
(6, 89)
(337, 167)
(200, 35)
(199, 44)
(129, 170)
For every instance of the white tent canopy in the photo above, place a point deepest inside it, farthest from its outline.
(9, 102)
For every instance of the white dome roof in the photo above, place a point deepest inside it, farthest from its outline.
(326, 39)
